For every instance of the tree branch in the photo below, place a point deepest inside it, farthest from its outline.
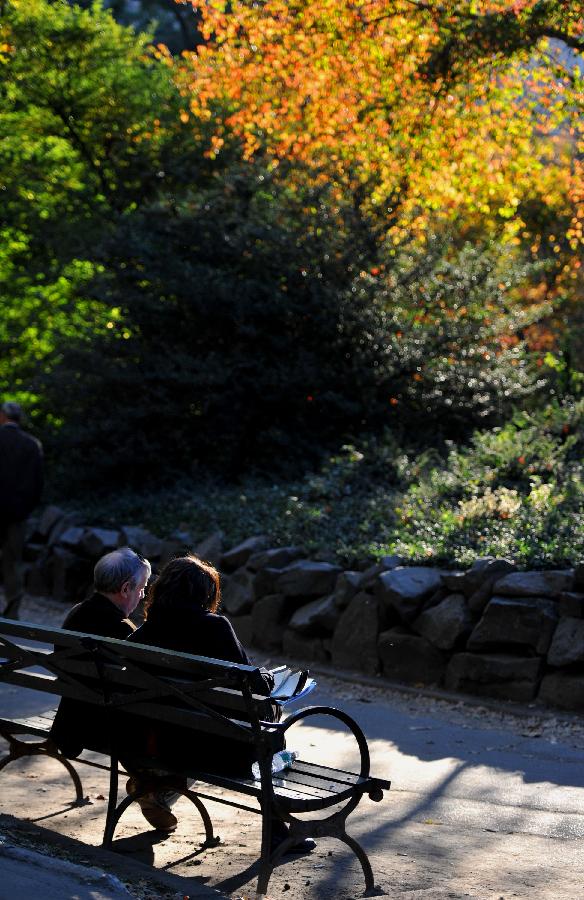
(82, 149)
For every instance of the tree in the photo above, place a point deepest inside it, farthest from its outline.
(433, 109)
(462, 117)
(89, 120)
(178, 307)
(90, 129)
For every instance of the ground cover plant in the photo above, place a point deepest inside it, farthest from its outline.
(516, 491)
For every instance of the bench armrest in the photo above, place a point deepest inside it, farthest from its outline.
(348, 721)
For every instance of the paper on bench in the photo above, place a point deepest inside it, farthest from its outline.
(290, 686)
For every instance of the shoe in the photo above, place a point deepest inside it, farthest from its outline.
(305, 846)
(155, 807)
(157, 813)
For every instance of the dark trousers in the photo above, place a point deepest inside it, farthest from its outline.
(12, 545)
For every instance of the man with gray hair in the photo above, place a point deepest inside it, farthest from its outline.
(21, 484)
(120, 579)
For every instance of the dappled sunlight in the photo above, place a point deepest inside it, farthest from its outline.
(485, 783)
(447, 817)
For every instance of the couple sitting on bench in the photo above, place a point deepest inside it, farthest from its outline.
(180, 614)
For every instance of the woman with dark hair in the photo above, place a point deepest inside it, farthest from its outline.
(181, 613)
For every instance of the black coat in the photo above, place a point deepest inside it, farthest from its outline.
(77, 724)
(200, 633)
(21, 474)
(98, 615)
(194, 631)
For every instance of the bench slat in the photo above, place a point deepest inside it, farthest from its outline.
(50, 684)
(39, 725)
(298, 797)
(294, 799)
(315, 769)
(300, 781)
(174, 715)
(123, 677)
(231, 728)
(90, 689)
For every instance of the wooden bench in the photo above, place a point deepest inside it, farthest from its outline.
(211, 696)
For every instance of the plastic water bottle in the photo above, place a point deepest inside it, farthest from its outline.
(280, 761)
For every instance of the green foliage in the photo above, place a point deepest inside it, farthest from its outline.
(258, 337)
(514, 491)
(453, 327)
(90, 129)
(517, 491)
(248, 347)
(89, 118)
(166, 313)
(40, 312)
(337, 511)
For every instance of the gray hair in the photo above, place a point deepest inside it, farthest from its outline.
(12, 411)
(114, 569)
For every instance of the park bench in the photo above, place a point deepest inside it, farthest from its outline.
(209, 695)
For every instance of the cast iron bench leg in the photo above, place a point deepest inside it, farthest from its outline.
(266, 858)
(113, 811)
(333, 826)
(211, 839)
(19, 749)
(362, 857)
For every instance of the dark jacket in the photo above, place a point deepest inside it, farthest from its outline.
(21, 474)
(200, 633)
(98, 615)
(194, 631)
(77, 724)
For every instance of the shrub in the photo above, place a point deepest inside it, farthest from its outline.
(516, 491)
(241, 344)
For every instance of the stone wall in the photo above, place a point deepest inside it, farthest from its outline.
(491, 630)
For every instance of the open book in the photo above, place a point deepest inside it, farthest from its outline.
(289, 685)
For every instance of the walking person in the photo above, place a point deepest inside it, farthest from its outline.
(21, 484)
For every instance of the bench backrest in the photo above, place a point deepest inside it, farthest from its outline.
(195, 692)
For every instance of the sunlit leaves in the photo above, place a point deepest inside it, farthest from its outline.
(443, 105)
(89, 129)
(41, 311)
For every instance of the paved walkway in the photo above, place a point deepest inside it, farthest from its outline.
(27, 875)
